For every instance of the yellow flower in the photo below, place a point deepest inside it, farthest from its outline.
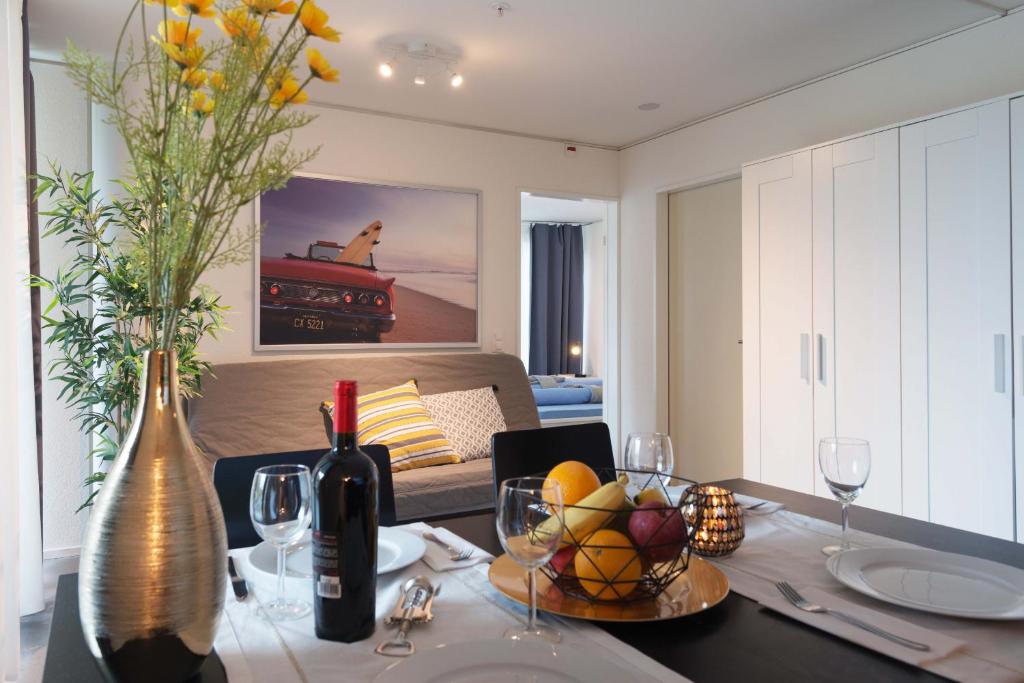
(178, 33)
(236, 23)
(217, 80)
(201, 104)
(319, 67)
(314, 20)
(288, 92)
(269, 7)
(168, 3)
(203, 8)
(193, 78)
(189, 58)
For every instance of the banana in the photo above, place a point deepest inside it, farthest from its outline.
(581, 522)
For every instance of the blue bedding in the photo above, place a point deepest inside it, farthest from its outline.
(561, 396)
(574, 411)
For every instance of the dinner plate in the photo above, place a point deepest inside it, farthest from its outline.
(933, 581)
(395, 550)
(700, 587)
(503, 661)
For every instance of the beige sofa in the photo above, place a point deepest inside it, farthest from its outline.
(272, 407)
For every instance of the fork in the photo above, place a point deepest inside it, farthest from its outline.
(454, 554)
(800, 602)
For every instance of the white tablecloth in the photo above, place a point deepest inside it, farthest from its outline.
(467, 609)
(787, 546)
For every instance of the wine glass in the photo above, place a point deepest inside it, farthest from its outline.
(530, 527)
(649, 452)
(279, 506)
(845, 463)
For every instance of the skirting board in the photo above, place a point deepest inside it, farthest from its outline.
(57, 553)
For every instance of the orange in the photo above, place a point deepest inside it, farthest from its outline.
(607, 565)
(576, 479)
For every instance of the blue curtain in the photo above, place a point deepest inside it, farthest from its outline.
(556, 298)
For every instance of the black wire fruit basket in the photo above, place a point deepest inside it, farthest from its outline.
(629, 542)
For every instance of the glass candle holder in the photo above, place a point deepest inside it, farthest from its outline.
(720, 530)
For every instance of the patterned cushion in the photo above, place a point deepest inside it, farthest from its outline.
(397, 418)
(468, 419)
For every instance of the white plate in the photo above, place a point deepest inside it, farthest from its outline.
(503, 661)
(395, 550)
(933, 581)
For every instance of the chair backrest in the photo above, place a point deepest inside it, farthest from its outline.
(535, 451)
(232, 478)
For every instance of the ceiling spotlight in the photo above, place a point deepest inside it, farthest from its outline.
(456, 80)
(386, 69)
(420, 79)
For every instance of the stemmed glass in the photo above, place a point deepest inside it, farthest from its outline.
(530, 527)
(845, 463)
(649, 452)
(279, 506)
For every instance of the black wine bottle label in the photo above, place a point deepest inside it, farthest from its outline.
(326, 567)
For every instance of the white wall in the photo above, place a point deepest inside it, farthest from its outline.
(594, 259)
(62, 135)
(374, 147)
(983, 62)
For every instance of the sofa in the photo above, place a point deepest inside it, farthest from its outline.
(272, 407)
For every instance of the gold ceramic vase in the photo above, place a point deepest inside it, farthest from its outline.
(152, 577)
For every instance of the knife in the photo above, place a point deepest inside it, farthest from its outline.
(237, 582)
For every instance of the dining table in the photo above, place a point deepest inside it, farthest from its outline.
(738, 639)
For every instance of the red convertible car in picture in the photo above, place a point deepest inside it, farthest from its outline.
(332, 294)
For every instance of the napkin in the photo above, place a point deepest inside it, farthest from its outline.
(437, 558)
(941, 646)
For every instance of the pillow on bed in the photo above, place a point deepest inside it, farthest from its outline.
(397, 418)
(468, 418)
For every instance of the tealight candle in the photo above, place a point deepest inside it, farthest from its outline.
(721, 527)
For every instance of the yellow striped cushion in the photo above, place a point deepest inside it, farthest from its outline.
(397, 418)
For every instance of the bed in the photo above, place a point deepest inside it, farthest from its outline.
(567, 400)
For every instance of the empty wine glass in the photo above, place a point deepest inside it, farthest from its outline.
(530, 527)
(279, 506)
(845, 464)
(649, 452)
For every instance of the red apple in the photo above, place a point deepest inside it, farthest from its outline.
(563, 558)
(659, 532)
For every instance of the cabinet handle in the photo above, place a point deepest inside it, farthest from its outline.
(805, 357)
(821, 358)
(1000, 363)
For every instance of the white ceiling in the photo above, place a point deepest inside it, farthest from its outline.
(554, 210)
(578, 69)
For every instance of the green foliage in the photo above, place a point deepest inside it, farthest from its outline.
(100, 308)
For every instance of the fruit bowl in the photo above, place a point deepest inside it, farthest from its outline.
(625, 541)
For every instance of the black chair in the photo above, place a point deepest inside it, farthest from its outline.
(232, 478)
(535, 451)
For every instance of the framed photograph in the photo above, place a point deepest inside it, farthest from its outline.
(345, 263)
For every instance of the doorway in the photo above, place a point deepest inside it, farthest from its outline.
(704, 331)
(568, 306)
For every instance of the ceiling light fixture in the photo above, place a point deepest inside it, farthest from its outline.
(429, 60)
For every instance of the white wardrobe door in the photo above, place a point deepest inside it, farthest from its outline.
(956, 238)
(777, 301)
(857, 306)
(1017, 203)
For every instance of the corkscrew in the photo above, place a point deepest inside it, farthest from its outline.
(414, 607)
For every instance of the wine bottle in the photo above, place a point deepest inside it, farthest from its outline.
(345, 512)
